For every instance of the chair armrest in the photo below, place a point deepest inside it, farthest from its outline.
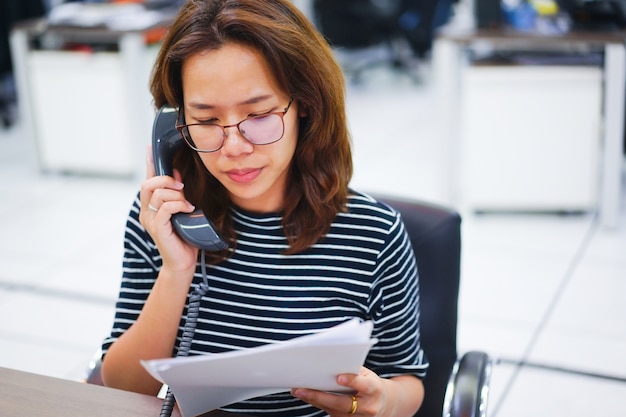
(94, 375)
(468, 388)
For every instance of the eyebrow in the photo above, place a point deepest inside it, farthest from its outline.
(252, 100)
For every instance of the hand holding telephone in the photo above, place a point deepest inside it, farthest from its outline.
(194, 227)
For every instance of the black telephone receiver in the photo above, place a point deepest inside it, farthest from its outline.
(194, 227)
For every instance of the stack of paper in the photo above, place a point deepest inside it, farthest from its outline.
(204, 383)
(116, 16)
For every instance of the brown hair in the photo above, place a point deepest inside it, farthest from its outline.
(304, 66)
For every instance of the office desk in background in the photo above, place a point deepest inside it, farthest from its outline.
(449, 62)
(85, 103)
(25, 394)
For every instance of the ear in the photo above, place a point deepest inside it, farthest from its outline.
(302, 111)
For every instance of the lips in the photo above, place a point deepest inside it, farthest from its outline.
(243, 176)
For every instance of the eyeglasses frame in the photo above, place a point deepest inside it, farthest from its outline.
(191, 144)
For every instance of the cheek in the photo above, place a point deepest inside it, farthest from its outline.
(209, 162)
(289, 147)
(292, 134)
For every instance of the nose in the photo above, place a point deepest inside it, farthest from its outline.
(234, 142)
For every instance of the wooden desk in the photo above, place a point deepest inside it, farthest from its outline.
(24, 394)
(448, 62)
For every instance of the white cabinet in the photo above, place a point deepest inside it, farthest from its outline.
(81, 118)
(530, 137)
(575, 108)
(87, 112)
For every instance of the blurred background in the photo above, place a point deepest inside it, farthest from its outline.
(515, 128)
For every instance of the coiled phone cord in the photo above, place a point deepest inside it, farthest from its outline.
(193, 312)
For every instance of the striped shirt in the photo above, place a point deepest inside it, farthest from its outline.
(364, 267)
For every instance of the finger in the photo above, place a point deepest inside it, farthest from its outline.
(362, 383)
(150, 172)
(329, 402)
(171, 200)
(156, 190)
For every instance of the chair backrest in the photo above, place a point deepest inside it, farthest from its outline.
(363, 23)
(435, 234)
(356, 23)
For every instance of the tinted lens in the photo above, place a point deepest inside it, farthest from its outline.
(262, 129)
(259, 130)
(204, 137)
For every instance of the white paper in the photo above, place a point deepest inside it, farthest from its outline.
(206, 382)
(115, 16)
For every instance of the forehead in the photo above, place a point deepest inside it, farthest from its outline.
(232, 72)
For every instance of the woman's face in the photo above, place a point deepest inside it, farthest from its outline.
(226, 86)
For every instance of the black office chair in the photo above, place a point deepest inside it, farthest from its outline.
(455, 387)
(404, 29)
(12, 12)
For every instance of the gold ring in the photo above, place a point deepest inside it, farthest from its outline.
(355, 405)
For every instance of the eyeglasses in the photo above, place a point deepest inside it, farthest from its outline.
(258, 130)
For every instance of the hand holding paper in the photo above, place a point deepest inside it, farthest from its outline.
(206, 382)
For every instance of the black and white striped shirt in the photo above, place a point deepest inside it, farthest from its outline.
(364, 267)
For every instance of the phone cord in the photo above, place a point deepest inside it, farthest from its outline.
(193, 312)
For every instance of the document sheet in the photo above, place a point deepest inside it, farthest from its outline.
(206, 382)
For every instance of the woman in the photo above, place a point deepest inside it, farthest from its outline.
(261, 108)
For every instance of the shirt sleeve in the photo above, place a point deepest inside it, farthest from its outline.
(139, 272)
(395, 309)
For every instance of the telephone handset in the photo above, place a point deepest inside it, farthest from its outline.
(194, 227)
